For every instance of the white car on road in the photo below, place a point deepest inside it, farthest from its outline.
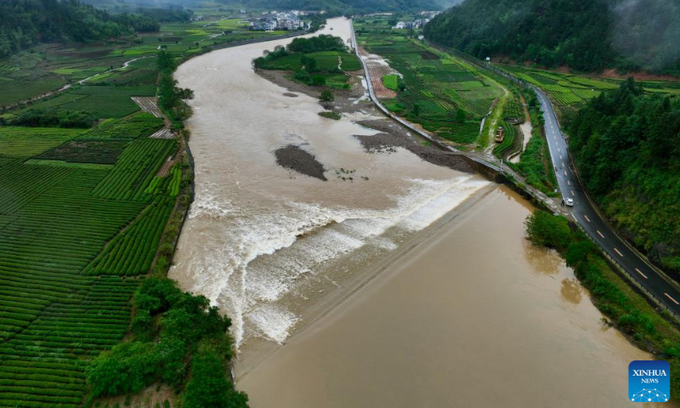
(569, 202)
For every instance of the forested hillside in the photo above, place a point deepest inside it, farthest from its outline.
(344, 6)
(24, 23)
(627, 148)
(585, 35)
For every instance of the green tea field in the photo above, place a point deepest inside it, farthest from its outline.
(81, 214)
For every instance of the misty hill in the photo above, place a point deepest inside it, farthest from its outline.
(24, 23)
(345, 6)
(332, 6)
(585, 35)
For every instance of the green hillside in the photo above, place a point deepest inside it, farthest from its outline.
(584, 35)
(24, 23)
(627, 147)
(342, 6)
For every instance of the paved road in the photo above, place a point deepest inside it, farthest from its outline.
(585, 214)
(583, 210)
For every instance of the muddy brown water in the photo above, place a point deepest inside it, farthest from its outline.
(474, 316)
(263, 242)
(394, 283)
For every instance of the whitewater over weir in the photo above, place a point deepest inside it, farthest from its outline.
(262, 242)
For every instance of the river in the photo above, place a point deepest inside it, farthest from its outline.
(410, 285)
(264, 243)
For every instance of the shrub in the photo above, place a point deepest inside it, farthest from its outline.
(318, 80)
(330, 115)
(327, 96)
(545, 229)
(209, 386)
(126, 368)
(58, 118)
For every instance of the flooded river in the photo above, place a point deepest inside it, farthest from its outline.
(409, 285)
(263, 242)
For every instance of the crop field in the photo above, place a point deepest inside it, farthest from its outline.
(437, 84)
(48, 67)
(23, 142)
(571, 91)
(326, 60)
(506, 146)
(101, 101)
(331, 65)
(103, 144)
(81, 212)
(390, 81)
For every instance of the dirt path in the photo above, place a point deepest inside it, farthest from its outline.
(378, 68)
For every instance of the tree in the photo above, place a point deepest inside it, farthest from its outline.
(416, 109)
(318, 80)
(209, 386)
(309, 64)
(326, 96)
(460, 116)
(545, 229)
(401, 86)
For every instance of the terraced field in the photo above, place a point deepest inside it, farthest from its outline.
(75, 226)
(570, 92)
(437, 85)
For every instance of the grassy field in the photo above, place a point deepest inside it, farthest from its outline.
(437, 85)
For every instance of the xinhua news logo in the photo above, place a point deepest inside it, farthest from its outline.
(649, 381)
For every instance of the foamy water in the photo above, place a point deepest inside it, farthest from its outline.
(261, 240)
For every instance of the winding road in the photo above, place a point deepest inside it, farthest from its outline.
(650, 279)
(586, 214)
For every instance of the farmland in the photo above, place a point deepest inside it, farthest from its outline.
(72, 227)
(436, 85)
(86, 215)
(315, 61)
(127, 62)
(570, 91)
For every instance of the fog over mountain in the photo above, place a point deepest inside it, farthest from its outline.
(331, 5)
(586, 35)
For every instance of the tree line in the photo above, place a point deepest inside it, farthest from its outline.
(626, 145)
(24, 23)
(339, 7)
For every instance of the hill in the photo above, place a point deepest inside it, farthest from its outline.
(342, 6)
(584, 35)
(627, 148)
(24, 23)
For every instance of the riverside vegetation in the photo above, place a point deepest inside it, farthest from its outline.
(316, 61)
(626, 309)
